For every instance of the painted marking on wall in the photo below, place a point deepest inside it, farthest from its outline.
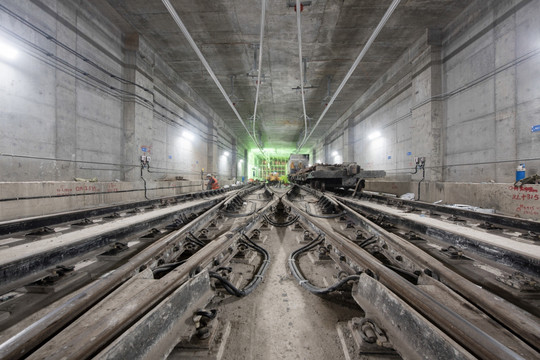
(170, 156)
(63, 191)
(524, 197)
(528, 210)
(143, 148)
(409, 153)
(535, 128)
(524, 188)
(525, 193)
(389, 157)
(86, 188)
(112, 188)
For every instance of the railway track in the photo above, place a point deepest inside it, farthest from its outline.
(383, 285)
(407, 272)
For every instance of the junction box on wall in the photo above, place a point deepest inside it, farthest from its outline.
(145, 160)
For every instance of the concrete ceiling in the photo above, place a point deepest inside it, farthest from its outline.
(333, 34)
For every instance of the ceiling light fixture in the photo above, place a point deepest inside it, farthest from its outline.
(7, 51)
(188, 135)
(374, 135)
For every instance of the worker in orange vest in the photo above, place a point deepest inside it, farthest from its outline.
(212, 182)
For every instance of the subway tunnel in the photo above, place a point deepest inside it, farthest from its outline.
(270, 179)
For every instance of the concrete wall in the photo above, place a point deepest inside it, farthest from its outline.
(492, 80)
(503, 198)
(392, 150)
(92, 98)
(466, 98)
(336, 151)
(27, 199)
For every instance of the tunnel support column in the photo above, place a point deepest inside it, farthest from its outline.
(137, 139)
(427, 107)
(348, 141)
(234, 161)
(211, 148)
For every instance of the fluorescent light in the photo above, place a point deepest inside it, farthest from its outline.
(374, 135)
(7, 51)
(226, 153)
(187, 135)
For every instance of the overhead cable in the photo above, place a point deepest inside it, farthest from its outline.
(195, 48)
(263, 11)
(298, 23)
(366, 47)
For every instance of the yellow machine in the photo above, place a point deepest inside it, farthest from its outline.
(273, 179)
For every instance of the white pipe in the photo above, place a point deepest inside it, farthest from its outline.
(379, 27)
(186, 33)
(260, 66)
(301, 69)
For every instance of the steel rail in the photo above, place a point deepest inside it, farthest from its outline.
(526, 262)
(471, 337)
(522, 323)
(23, 341)
(72, 339)
(27, 224)
(17, 271)
(503, 220)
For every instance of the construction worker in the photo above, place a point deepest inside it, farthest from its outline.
(212, 182)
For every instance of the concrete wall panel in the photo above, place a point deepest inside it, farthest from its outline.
(71, 108)
(472, 103)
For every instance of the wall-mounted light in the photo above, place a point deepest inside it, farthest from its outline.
(226, 153)
(374, 135)
(319, 161)
(334, 153)
(7, 51)
(188, 135)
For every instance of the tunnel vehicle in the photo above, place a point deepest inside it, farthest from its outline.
(327, 176)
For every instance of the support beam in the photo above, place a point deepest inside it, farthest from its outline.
(427, 109)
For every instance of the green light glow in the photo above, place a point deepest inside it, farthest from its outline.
(259, 167)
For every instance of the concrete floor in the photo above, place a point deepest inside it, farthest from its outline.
(280, 319)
